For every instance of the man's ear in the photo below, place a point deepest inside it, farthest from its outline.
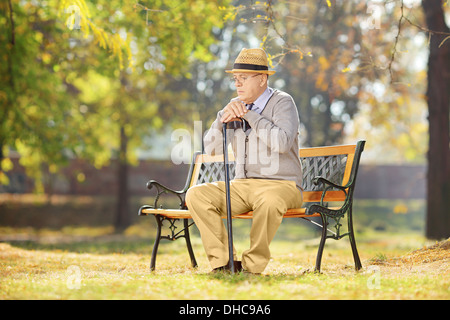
(264, 80)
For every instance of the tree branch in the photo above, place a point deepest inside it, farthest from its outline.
(394, 49)
(430, 33)
(286, 48)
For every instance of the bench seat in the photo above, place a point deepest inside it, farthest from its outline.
(184, 214)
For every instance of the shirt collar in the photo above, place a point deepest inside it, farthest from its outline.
(260, 103)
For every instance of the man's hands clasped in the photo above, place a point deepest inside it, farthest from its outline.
(233, 111)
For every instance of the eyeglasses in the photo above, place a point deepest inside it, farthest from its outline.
(241, 79)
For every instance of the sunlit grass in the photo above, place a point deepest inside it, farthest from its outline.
(114, 269)
(74, 254)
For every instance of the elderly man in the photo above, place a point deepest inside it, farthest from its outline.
(263, 131)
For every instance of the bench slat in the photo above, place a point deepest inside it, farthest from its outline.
(327, 151)
(303, 152)
(331, 195)
(184, 214)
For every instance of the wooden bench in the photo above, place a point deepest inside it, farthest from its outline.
(329, 175)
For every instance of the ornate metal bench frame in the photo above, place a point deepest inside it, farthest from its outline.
(329, 175)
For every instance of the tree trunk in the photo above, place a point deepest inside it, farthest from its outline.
(123, 217)
(438, 98)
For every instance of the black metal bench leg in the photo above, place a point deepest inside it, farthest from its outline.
(188, 243)
(322, 242)
(156, 244)
(358, 264)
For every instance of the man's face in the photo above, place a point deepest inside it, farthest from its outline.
(249, 86)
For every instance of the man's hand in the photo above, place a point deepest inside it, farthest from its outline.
(233, 111)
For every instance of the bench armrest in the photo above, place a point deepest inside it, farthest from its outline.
(161, 189)
(322, 207)
(319, 179)
(330, 185)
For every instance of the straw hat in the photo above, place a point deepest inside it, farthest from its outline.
(251, 60)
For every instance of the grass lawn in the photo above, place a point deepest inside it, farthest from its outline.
(93, 263)
(47, 252)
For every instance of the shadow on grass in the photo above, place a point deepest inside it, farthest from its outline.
(98, 245)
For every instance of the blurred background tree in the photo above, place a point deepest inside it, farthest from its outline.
(438, 100)
(99, 81)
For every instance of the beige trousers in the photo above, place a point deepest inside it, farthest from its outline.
(269, 200)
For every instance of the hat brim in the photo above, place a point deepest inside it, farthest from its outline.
(268, 72)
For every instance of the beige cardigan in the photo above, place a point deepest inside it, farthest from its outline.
(269, 150)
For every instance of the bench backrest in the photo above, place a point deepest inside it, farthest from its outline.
(338, 164)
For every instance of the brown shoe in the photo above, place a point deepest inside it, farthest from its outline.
(219, 269)
(226, 268)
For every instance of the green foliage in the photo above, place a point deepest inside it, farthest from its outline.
(74, 73)
(69, 86)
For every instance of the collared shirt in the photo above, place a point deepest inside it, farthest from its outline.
(260, 103)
